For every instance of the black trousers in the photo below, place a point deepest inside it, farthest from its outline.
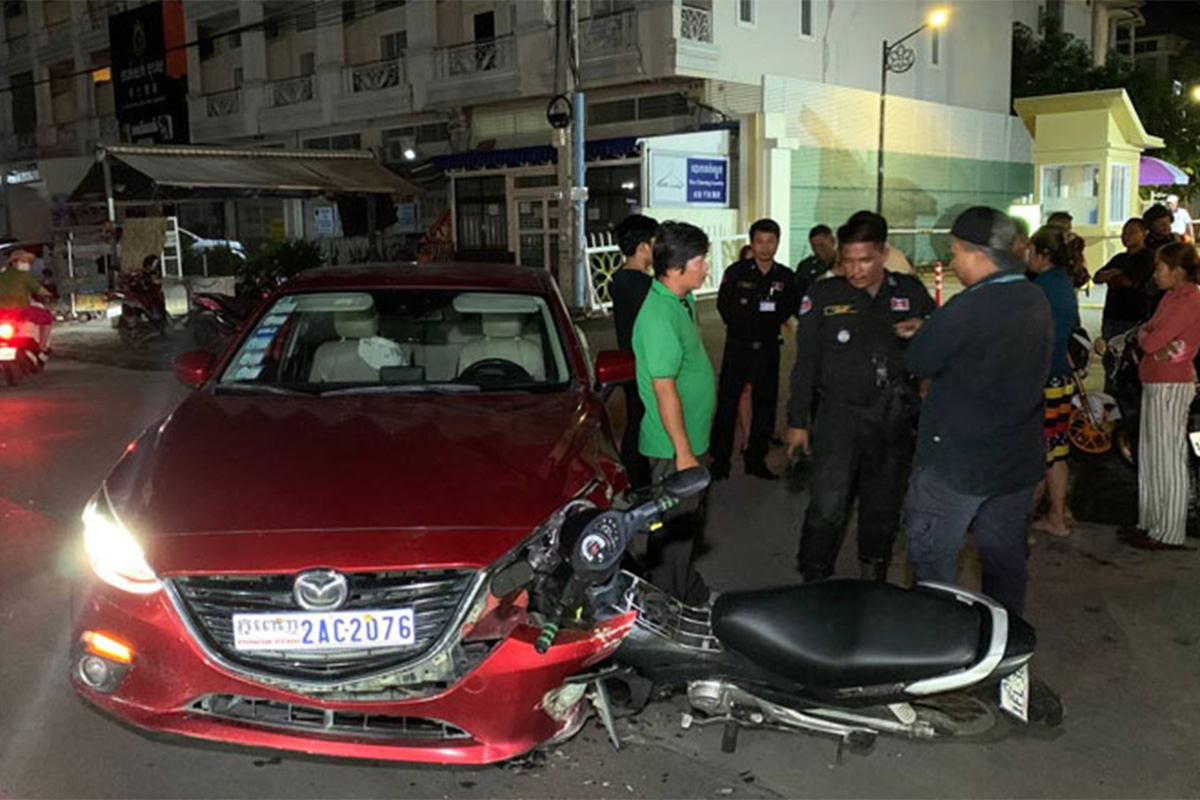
(758, 367)
(853, 457)
(637, 466)
(670, 550)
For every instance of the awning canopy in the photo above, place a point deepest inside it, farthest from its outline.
(143, 173)
(1156, 172)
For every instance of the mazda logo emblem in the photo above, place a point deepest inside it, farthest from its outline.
(321, 590)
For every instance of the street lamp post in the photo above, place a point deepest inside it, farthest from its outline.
(898, 59)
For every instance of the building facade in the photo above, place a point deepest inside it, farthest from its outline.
(458, 90)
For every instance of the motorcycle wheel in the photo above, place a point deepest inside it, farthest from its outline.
(130, 337)
(1086, 436)
(963, 717)
(207, 333)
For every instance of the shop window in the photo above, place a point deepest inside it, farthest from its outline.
(1074, 188)
(1118, 194)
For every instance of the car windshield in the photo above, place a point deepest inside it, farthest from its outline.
(400, 340)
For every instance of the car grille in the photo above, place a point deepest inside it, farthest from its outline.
(277, 714)
(211, 601)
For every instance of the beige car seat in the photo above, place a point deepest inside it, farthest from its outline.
(338, 361)
(504, 338)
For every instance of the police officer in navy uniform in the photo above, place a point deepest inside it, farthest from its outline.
(757, 296)
(853, 404)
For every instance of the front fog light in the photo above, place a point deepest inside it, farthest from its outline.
(94, 672)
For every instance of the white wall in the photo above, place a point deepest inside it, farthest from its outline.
(847, 39)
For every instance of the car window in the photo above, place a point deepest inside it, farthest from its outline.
(402, 340)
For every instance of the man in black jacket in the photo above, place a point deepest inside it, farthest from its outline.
(980, 449)
(756, 297)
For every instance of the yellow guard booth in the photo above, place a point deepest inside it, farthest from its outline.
(1086, 151)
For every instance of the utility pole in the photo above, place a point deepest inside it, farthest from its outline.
(572, 177)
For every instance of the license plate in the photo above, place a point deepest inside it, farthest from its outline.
(113, 311)
(8, 354)
(329, 630)
(1194, 438)
(1014, 694)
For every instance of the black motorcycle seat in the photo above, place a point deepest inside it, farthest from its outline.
(841, 634)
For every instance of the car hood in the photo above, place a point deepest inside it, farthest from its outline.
(237, 464)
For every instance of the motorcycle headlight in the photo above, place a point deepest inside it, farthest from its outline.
(115, 556)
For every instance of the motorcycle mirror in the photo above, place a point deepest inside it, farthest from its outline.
(687, 482)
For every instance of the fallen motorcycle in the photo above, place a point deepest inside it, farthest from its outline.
(846, 659)
(138, 317)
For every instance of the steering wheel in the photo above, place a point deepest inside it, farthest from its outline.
(496, 369)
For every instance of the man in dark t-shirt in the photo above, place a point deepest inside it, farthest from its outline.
(1126, 302)
(628, 289)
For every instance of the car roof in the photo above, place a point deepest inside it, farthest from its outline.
(441, 275)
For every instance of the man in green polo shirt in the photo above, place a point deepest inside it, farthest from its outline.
(676, 384)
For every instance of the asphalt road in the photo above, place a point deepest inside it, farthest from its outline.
(1118, 630)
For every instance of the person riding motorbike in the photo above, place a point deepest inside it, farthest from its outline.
(18, 289)
(146, 285)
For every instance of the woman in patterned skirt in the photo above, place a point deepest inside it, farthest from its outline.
(1051, 259)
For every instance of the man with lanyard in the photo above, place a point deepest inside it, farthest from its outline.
(850, 367)
(980, 448)
(824, 256)
(756, 297)
(675, 382)
(17, 288)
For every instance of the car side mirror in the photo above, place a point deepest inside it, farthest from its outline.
(615, 366)
(195, 368)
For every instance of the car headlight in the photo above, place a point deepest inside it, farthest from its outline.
(115, 556)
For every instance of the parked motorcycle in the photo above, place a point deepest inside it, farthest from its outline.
(847, 659)
(215, 318)
(138, 317)
(20, 355)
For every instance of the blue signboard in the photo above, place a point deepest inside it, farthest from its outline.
(707, 180)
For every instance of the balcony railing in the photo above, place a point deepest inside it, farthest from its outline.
(223, 104)
(293, 91)
(695, 24)
(476, 58)
(609, 34)
(375, 76)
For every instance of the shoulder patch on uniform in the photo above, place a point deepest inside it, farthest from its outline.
(805, 305)
(832, 311)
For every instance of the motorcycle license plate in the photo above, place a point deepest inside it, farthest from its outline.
(329, 630)
(1014, 694)
(1194, 438)
(8, 354)
(113, 311)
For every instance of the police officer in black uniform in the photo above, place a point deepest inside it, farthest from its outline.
(852, 403)
(757, 296)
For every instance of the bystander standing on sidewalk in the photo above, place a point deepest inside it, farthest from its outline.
(628, 289)
(979, 445)
(676, 384)
(822, 259)
(1170, 341)
(1126, 275)
(1051, 259)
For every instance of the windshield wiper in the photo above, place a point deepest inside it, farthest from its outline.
(259, 388)
(405, 388)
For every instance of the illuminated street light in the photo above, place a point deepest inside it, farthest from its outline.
(1196, 94)
(899, 59)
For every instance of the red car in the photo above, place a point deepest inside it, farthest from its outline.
(299, 557)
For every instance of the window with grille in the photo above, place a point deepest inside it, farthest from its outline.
(433, 133)
(482, 210)
(662, 105)
(613, 112)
